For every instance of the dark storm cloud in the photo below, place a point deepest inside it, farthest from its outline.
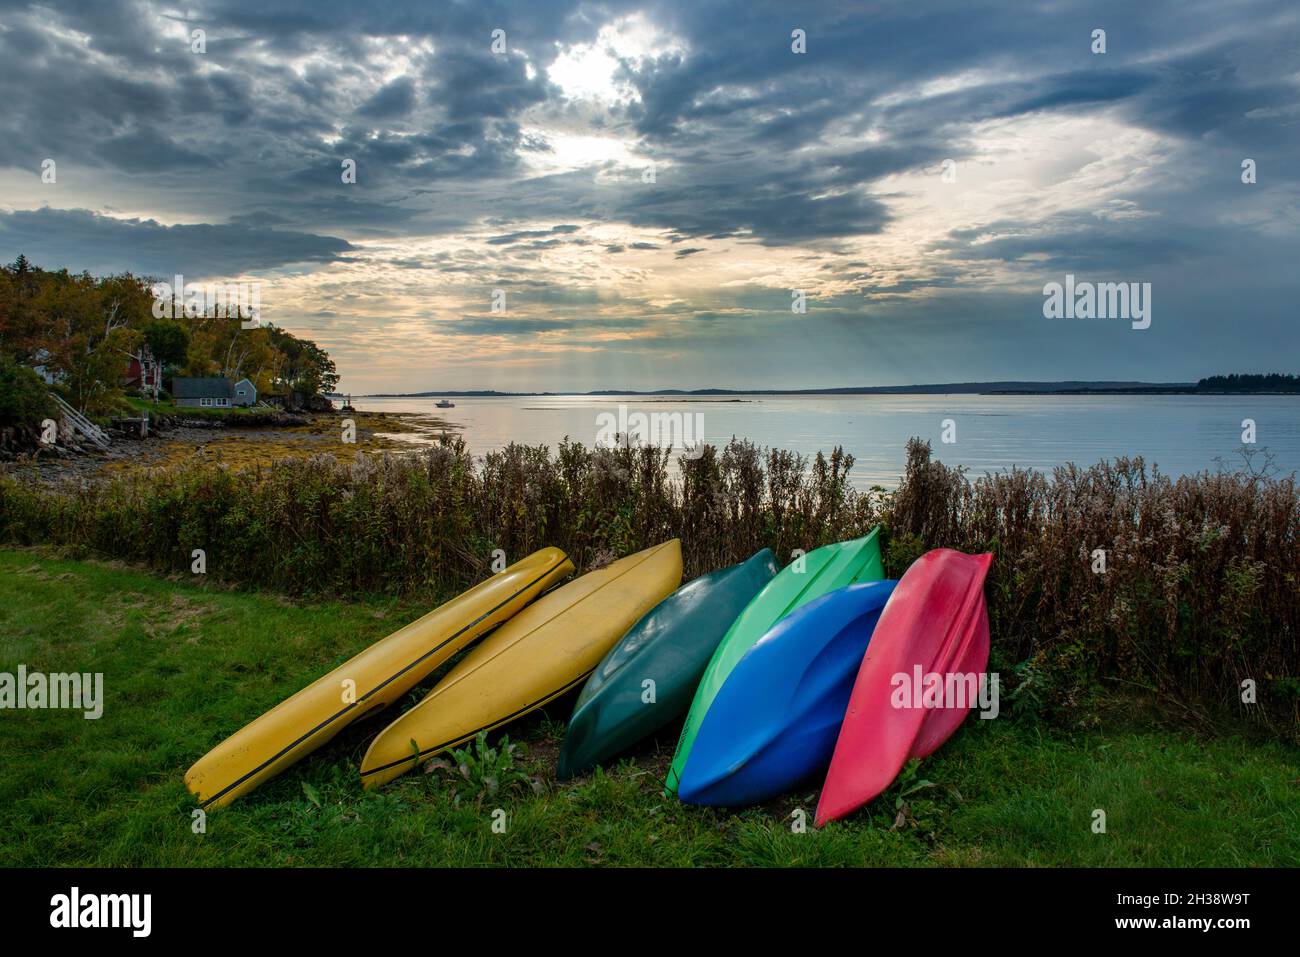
(1077, 242)
(149, 151)
(80, 239)
(258, 219)
(473, 82)
(1228, 96)
(785, 211)
(509, 239)
(1073, 89)
(393, 101)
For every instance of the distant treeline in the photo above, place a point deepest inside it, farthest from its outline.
(1272, 382)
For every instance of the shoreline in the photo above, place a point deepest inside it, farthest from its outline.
(722, 395)
(236, 445)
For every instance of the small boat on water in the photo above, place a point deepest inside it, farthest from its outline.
(444, 404)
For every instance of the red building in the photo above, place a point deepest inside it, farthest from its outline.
(145, 376)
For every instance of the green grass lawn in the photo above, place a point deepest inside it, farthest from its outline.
(134, 405)
(185, 665)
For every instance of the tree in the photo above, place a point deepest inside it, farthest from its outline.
(168, 342)
(21, 332)
(307, 368)
(1271, 382)
(320, 374)
(24, 399)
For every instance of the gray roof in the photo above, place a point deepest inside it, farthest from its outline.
(209, 388)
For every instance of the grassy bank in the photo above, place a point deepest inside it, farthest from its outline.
(135, 405)
(186, 664)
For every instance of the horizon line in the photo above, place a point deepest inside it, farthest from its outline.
(999, 384)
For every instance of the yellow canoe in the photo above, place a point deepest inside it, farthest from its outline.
(368, 682)
(547, 649)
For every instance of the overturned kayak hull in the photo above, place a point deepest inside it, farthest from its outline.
(774, 722)
(543, 652)
(648, 678)
(372, 680)
(935, 628)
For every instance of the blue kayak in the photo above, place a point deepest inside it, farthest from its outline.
(775, 720)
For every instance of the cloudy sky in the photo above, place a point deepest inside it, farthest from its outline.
(648, 182)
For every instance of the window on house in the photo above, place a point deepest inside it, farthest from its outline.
(205, 401)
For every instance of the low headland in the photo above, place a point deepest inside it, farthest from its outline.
(1269, 384)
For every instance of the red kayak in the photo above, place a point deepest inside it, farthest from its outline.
(914, 687)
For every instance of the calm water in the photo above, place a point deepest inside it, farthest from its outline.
(1183, 434)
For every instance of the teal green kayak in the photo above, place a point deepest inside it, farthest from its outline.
(647, 679)
(815, 574)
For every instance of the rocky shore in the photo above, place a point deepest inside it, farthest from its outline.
(176, 439)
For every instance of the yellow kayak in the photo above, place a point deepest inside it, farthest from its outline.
(547, 649)
(368, 682)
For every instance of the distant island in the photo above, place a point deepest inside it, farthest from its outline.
(1276, 383)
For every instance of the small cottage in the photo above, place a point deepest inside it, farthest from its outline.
(204, 393)
(216, 392)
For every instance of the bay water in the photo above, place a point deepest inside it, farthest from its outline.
(1183, 434)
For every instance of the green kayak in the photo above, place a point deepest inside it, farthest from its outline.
(647, 679)
(820, 571)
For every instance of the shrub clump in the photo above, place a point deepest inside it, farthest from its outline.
(24, 403)
(1198, 592)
